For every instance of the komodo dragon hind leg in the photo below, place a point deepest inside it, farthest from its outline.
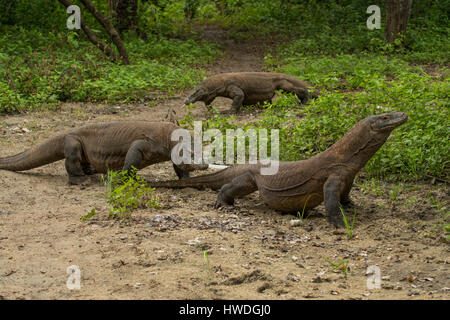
(332, 190)
(237, 95)
(238, 187)
(73, 152)
(134, 160)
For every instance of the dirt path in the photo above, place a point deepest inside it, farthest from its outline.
(252, 252)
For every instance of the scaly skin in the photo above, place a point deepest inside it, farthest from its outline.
(101, 147)
(326, 177)
(248, 88)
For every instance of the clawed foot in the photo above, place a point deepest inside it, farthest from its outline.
(78, 180)
(348, 203)
(336, 221)
(221, 203)
(89, 170)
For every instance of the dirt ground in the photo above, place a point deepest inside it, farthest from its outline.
(252, 251)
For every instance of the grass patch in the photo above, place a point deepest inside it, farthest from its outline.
(126, 193)
(42, 69)
(349, 227)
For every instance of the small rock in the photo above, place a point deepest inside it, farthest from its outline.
(194, 241)
(264, 287)
(334, 292)
(295, 222)
(291, 277)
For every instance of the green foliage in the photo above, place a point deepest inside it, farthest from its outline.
(446, 227)
(354, 87)
(42, 64)
(348, 226)
(342, 266)
(88, 216)
(301, 216)
(126, 193)
(42, 69)
(337, 27)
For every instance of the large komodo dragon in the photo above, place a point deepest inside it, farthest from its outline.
(103, 146)
(248, 88)
(327, 176)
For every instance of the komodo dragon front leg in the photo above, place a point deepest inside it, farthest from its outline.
(238, 187)
(141, 152)
(332, 191)
(302, 93)
(181, 174)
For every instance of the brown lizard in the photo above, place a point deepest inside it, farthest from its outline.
(99, 147)
(247, 88)
(327, 176)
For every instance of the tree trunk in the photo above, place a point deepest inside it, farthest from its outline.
(93, 37)
(104, 21)
(397, 16)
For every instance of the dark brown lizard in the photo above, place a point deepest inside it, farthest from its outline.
(97, 148)
(326, 177)
(248, 88)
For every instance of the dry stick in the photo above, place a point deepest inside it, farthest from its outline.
(440, 179)
(109, 28)
(92, 37)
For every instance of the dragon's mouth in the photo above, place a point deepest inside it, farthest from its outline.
(389, 121)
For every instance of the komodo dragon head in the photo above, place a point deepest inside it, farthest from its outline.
(200, 94)
(383, 124)
(368, 135)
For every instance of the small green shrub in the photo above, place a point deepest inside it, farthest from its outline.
(126, 193)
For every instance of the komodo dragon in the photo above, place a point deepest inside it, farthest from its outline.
(327, 176)
(101, 147)
(249, 88)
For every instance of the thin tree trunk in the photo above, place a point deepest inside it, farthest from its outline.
(104, 21)
(397, 16)
(92, 37)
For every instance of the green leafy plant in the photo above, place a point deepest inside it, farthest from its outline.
(88, 216)
(349, 227)
(301, 216)
(446, 226)
(126, 192)
(209, 269)
(342, 266)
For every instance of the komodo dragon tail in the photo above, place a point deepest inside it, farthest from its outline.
(49, 151)
(214, 180)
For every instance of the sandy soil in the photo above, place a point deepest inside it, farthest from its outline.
(252, 251)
